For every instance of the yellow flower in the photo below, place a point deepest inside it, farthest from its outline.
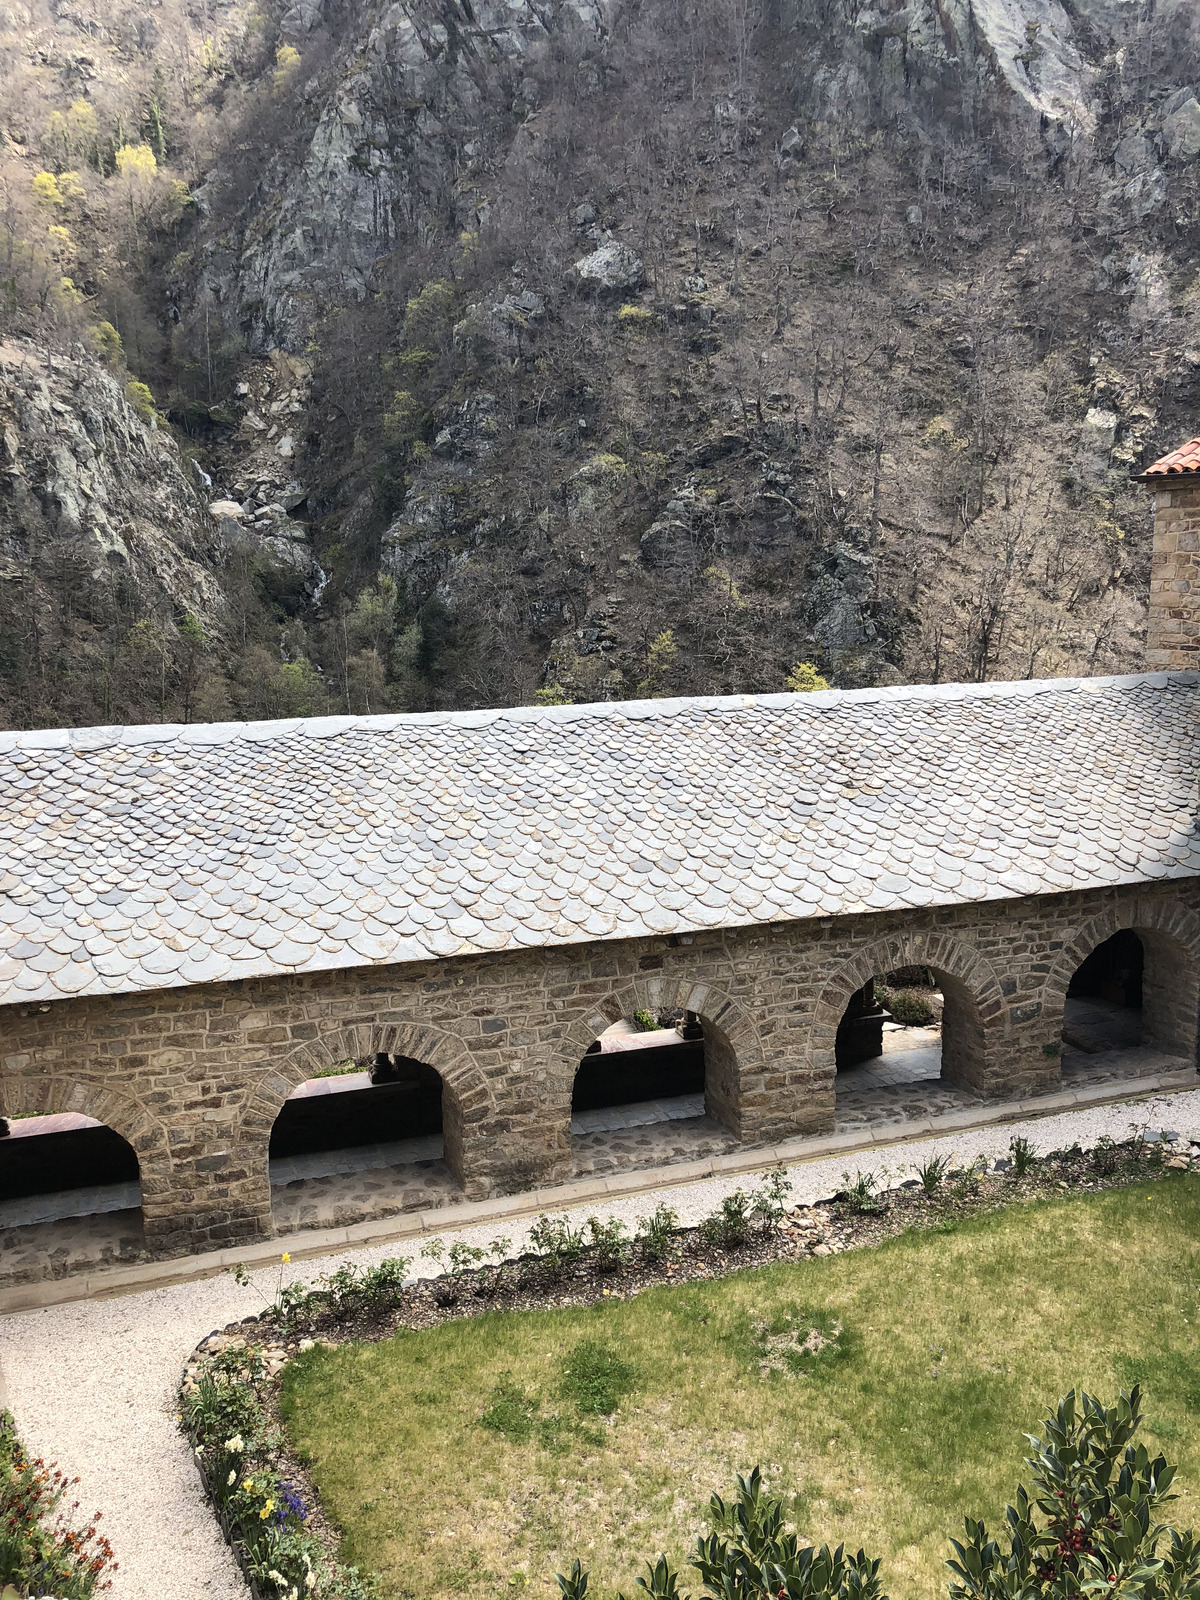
(286, 1256)
(247, 1484)
(266, 1511)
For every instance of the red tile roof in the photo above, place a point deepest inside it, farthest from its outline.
(1184, 462)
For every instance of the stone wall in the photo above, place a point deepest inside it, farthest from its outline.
(194, 1078)
(1173, 634)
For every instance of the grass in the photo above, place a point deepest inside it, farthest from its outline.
(884, 1391)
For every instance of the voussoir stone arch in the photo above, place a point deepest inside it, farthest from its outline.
(976, 1014)
(1170, 935)
(46, 1093)
(734, 1058)
(467, 1098)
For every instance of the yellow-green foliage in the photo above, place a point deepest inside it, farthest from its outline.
(634, 318)
(941, 431)
(73, 136)
(719, 577)
(552, 694)
(805, 679)
(139, 397)
(108, 343)
(957, 1343)
(428, 316)
(660, 658)
(400, 419)
(287, 59)
(46, 190)
(603, 465)
(136, 163)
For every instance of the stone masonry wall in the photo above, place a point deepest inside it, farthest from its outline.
(194, 1078)
(1173, 635)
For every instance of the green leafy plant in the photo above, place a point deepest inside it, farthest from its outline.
(456, 1260)
(912, 1007)
(861, 1193)
(657, 1235)
(769, 1201)
(1089, 1522)
(510, 1410)
(932, 1171)
(1106, 1156)
(731, 1225)
(1023, 1154)
(646, 1021)
(752, 1555)
(558, 1244)
(608, 1244)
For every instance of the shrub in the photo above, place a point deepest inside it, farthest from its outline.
(559, 1245)
(657, 1238)
(42, 1548)
(608, 1244)
(138, 396)
(731, 1225)
(805, 679)
(912, 1007)
(1088, 1524)
(751, 1555)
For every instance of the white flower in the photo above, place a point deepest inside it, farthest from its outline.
(199, 1449)
(277, 1578)
(236, 1444)
(231, 1479)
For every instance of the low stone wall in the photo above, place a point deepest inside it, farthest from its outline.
(194, 1078)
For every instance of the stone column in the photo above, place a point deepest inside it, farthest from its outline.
(1173, 630)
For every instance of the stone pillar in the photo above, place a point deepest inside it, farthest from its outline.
(1173, 631)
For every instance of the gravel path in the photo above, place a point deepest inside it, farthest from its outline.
(91, 1383)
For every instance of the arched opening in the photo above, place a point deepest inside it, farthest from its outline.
(1102, 1011)
(365, 1139)
(904, 1033)
(70, 1195)
(655, 1086)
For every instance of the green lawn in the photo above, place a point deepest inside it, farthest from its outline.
(952, 1345)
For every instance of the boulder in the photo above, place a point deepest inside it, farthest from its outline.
(1181, 125)
(612, 266)
(224, 508)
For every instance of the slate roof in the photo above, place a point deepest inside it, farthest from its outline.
(140, 858)
(1184, 462)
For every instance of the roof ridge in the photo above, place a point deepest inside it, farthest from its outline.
(206, 733)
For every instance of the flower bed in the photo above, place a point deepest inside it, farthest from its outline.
(282, 1549)
(228, 1399)
(44, 1548)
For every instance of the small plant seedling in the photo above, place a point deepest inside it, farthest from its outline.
(1023, 1155)
(932, 1171)
(861, 1193)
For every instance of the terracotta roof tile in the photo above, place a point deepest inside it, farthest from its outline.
(1184, 462)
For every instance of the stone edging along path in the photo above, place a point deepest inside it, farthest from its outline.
(93, 1384)
(322, 1242)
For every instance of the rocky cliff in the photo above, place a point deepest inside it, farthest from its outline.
(594, 349)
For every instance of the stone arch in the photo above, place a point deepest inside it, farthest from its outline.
(45, 1093)
(467, 1098)
(1170, 936)
(733, 1050)
(975, 1018)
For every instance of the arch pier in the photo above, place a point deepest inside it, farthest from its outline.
(486, 1052)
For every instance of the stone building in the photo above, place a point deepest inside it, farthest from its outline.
(222, 944)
